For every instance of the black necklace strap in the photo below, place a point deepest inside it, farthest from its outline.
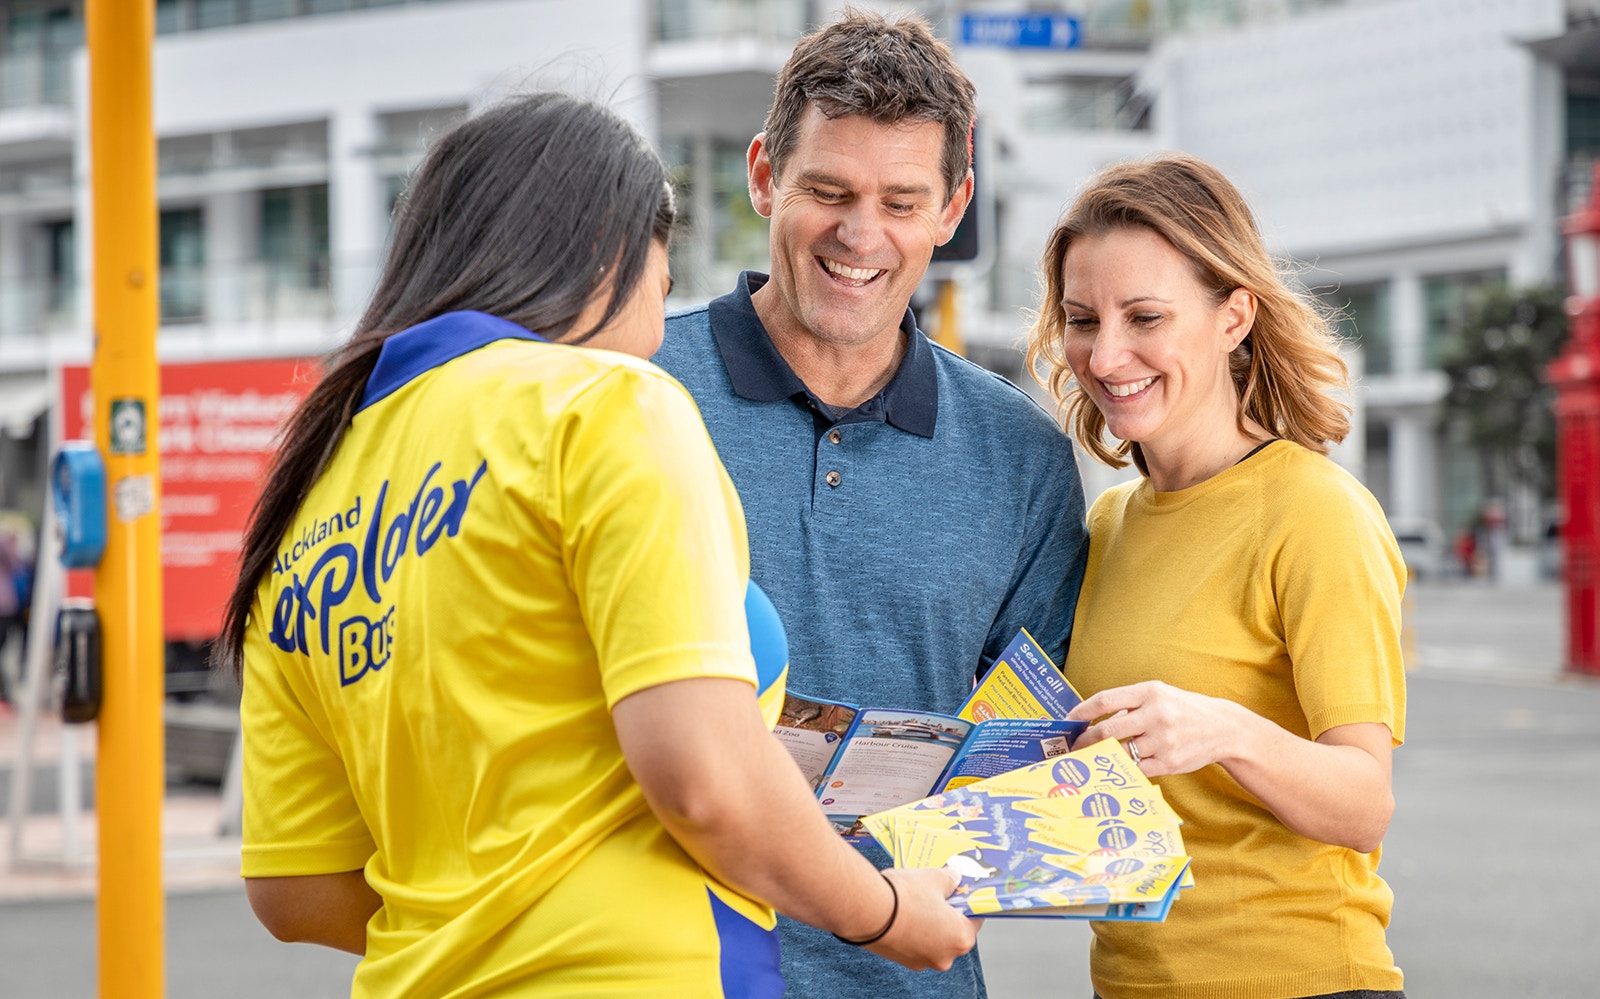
(1257, 450)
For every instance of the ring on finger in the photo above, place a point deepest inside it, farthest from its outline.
(1133, 751)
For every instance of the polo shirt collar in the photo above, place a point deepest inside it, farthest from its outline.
(910, 401)
(431, 344)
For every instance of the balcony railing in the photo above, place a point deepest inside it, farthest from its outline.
(1086, 106)
(700, 20)
(252, 293)
(32, 79)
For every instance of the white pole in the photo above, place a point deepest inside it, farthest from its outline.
(70, 785)
(36, 685)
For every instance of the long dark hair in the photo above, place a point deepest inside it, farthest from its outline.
(522, 211)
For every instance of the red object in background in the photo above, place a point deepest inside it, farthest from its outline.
(219, 425)
(1576, 377)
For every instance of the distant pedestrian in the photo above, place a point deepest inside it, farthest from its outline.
(16, 594)
(1467, 551)
(1239, 623)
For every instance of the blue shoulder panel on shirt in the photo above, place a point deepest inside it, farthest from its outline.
(426, 346)
(769, 644)
(750, 966)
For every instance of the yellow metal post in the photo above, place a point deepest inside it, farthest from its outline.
(126, 382)
(949, 332)
(1408, 622)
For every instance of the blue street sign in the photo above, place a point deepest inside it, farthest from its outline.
(1021, 31)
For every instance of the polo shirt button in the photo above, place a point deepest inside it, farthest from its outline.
(834, 436)
(833, 479)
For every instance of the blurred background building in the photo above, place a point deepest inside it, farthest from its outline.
(1404, 152)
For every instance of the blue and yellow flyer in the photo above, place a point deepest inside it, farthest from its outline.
(1081, 836)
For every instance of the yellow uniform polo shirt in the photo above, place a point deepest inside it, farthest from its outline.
(512, 536)
(1275, 584)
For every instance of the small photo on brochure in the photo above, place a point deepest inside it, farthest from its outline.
(914, 726)
(816, 716)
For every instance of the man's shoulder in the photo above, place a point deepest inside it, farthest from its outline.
(688, 343)
(692, 321)
(694, 315)
(990, 400)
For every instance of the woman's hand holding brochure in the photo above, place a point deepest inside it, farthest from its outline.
(921, 925)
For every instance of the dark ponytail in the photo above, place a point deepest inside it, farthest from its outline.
(522, 211)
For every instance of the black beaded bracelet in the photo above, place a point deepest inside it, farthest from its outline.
(895, 911)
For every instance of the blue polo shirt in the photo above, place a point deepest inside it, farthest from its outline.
(903, 542)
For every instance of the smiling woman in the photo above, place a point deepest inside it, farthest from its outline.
(1180, 212)
(1238, 625)
(1148, 344)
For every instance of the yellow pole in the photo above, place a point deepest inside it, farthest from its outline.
(129, 765)
(1408, 622)
(949, 333)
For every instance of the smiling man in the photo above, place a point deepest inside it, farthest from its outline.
(908, 511)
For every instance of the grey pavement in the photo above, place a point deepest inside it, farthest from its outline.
(1491, 852)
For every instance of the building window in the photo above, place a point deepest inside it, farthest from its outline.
(294, 240)
(1446, 298)
(37, 64)
(741, 234)
(302, 144)
(769, 20)
(198, 15)
(1376, 463)
(216, 13)
(680, 167)
(1583, 123)
(404, 139)
(1363, 318)
(183, 265)
(1085, 104)
(720, 230)
(60, 273)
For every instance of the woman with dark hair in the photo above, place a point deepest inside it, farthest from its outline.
(1239, 622)
(502, 729)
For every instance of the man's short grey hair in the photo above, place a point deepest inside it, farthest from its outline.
(865, 65)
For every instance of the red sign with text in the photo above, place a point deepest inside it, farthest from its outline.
(219, 427)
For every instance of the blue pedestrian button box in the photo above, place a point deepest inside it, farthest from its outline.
(1021, 31)
(78, 490)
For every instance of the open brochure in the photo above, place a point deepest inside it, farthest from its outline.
(862, 760)
(1083, 836)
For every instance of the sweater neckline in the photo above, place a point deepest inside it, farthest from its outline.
(1242, 468)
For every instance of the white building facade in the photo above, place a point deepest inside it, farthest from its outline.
(1406, 151)
(285, 131)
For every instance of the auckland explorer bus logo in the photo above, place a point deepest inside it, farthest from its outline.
(365, 643)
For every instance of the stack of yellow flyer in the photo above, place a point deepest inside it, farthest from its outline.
(1080, 836)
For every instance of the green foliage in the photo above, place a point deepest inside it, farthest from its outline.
(1498, 390)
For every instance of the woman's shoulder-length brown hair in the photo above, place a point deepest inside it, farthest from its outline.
(1288, 372)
